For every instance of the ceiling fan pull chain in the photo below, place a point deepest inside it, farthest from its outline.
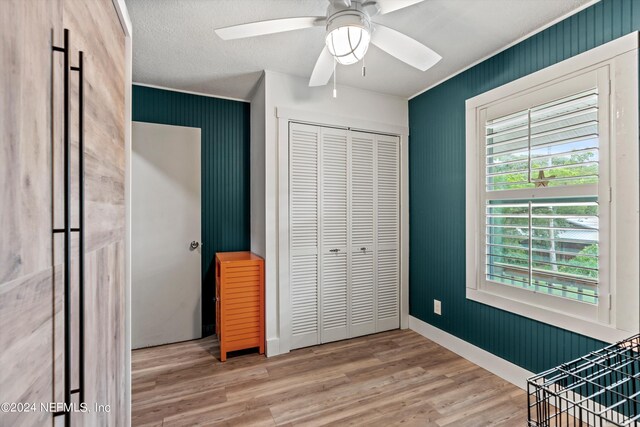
(335, 91)
(364, 69)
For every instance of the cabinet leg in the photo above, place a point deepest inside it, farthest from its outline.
(261, 349)
(223, 355)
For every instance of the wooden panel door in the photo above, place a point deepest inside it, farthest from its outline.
(362, 225)
(31, 274)
(303, 223)
(27, 32)
(95, 29)
(334, 298)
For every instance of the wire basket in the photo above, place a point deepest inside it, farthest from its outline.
(599, 389)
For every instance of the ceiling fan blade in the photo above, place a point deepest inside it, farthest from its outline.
(404, 48)
(269, 27)
(387, 6)
(323, 70)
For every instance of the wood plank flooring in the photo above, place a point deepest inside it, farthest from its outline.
(391, 378)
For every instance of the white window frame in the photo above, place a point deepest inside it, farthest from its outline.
(613, 67)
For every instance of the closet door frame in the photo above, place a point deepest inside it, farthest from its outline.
(284, 117)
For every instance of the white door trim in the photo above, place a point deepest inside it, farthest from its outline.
(284, 116)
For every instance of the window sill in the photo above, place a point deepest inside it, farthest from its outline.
(561, 320)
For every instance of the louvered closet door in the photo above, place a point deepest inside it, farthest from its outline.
(388, 233)
(333, 231)
(303, 218)
(362, 274)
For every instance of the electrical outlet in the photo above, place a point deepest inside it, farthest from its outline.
(437, 307)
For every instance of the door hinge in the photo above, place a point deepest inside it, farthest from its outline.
(610, 194)
(609, 301)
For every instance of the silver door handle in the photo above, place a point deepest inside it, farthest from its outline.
(194, 245)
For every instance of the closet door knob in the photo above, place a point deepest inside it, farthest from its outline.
(334, 250)
(194, 245)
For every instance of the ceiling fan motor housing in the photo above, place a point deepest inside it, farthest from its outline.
(348, 33)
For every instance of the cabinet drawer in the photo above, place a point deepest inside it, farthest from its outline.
(250, 288)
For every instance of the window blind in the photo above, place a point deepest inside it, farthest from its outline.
(547, 145)
(535, 241)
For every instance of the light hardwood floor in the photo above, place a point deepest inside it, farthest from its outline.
(391, 378)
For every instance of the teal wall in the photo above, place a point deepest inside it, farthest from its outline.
(224, 128)
(437, 191)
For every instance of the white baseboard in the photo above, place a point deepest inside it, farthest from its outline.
(492, 363)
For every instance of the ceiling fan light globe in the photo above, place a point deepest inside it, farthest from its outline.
(348, 44)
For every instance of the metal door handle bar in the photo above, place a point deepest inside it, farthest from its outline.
(67, 230)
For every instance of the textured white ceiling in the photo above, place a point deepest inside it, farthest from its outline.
(174, 44)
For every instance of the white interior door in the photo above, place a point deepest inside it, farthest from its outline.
(303, 226)
(362, 291)
(387, 232)
(165, 219)
(344, 219)
(334, 298)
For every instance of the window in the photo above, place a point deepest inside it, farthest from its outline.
(534, 240)
(541, 220)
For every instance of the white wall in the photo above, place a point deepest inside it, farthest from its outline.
(285, 91)
(257, 150)
(293, 93)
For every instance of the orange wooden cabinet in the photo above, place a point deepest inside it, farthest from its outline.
(239, 301)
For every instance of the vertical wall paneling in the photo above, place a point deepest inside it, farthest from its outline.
(225, 171)
(437, 191)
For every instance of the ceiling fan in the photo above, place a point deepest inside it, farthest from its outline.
(349, 30)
